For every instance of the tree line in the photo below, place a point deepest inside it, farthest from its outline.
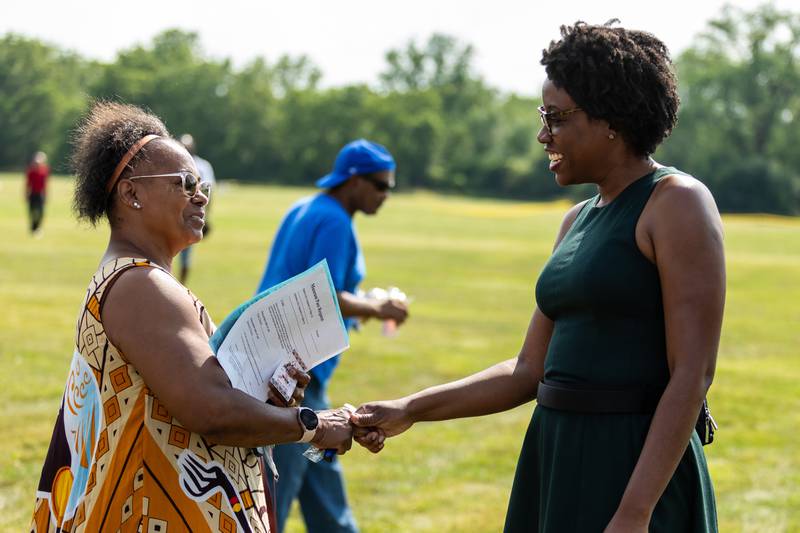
(448, 129)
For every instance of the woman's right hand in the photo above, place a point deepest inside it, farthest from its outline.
(302, 378)
(376, 421)
(334, 430)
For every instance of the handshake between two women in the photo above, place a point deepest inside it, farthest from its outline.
(335, 429)
(369, 425)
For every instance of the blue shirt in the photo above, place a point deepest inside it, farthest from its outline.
(315, 228)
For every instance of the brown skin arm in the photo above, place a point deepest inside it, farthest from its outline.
(685, 240)
(497, 388)
(152, 320)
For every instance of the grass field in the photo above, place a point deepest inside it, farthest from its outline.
(470, 266)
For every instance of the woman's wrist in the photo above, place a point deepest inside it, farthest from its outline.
(319, 435)
(634, 512)
(413, 408)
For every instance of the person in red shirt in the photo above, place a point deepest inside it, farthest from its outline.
(35, 187)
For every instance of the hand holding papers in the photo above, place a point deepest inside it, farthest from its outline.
(301, 379)
(283, 380)
(295, 322)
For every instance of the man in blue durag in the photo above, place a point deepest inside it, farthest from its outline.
(315, 228)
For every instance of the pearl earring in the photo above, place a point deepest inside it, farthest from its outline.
(611, 136)
(137, 205)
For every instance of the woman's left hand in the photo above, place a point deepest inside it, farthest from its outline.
(275, 398)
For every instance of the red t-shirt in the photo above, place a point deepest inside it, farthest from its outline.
(37, 178)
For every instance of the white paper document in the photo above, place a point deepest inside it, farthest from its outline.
(297, 321)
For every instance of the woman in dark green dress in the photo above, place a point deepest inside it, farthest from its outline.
(622, 344)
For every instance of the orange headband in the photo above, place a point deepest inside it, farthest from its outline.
(132, 151)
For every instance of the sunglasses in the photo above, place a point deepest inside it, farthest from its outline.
(553, 118)
(380, 186)
(190, 183)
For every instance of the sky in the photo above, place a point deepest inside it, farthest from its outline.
(348, 39)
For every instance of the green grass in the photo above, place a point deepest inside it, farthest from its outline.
(470, 266)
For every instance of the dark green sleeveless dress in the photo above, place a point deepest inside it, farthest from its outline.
(604, 297)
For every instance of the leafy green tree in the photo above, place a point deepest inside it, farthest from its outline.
(441, 62)
(448, 129)
(40, 98)
(173, 79)
(736, 128)
(440, 72)
(411, 124)
(251, 146)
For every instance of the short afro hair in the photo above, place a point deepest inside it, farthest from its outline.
(103, 137)
(621, 76)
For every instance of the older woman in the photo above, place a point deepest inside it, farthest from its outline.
(151, 436)
(622, 344)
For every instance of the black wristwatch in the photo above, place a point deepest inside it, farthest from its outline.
(308, 423)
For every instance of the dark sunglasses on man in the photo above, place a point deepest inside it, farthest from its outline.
(380, 185)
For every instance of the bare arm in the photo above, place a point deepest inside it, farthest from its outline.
(687, 244)
(502, 386)
(498, 388)
(151, 319)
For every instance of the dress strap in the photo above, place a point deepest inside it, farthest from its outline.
(109, 273)
(659, 173)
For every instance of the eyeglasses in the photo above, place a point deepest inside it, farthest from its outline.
(552, 118)
(190, 183)
(380, 186)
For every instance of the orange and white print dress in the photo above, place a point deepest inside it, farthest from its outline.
(119, 462)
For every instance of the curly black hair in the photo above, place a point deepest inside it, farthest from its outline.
(102, 138)
(621, 76)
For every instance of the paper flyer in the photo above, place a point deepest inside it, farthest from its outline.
(296, 321)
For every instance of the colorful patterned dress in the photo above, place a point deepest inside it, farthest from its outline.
(119, 462)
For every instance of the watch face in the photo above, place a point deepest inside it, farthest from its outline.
(309, 418)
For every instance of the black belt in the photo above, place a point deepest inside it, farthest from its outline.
(576, 399)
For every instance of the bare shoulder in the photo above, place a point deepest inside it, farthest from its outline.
(142, 298)
(146, 283)
(681, 209)
(681, 213)
(682, 193)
